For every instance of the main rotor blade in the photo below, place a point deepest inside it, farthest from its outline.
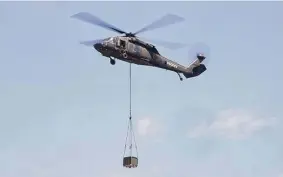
(90, 43)
(89, 18)
(162, 22)
(169, 45)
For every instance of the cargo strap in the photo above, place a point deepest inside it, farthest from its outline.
(130, 74)
(130, 132)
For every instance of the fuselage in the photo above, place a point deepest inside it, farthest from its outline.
(135, 51)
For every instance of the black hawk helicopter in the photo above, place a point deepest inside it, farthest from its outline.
(131, 49)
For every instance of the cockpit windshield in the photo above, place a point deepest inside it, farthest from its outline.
(110, 40)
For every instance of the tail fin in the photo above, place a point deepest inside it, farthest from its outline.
(196, 67)
(197, 62)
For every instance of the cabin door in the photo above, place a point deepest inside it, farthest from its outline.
(121, 44)
(134, 49)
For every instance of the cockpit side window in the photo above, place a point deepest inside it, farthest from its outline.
(114, 40)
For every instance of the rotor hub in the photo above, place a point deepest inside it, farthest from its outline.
(130, 35)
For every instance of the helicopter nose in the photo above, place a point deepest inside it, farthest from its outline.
(98, 46)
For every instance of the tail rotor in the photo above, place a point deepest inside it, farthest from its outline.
(200, 54)
(200, 51)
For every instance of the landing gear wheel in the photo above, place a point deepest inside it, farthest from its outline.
(112, 61)
(181, 79)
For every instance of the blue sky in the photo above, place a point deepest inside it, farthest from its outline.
(65, 108)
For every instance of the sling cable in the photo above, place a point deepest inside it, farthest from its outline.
(130, 157)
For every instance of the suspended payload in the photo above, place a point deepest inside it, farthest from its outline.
(130, 158)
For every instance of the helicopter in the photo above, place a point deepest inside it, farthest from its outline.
(129, 48)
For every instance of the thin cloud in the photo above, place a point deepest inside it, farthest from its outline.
(143, 126)
(232, 124)
(148, 126)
